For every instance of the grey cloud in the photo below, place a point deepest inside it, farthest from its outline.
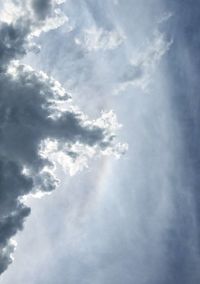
(12, 212)
(144, 227)
(6, 258)
(13, 40)
(42, 8)
(34, 109)
(15, 36)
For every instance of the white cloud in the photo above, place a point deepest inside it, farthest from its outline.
(143, 63)
(94, 39)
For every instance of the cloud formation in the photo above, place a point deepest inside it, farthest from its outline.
(94, 39)
(39, 125)
(18, 26)
(143, 62)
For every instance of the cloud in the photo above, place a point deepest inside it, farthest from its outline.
(94, 39)
(19, 25)
(143, 63)
(39, 125)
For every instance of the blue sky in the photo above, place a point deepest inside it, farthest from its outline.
(134, 219)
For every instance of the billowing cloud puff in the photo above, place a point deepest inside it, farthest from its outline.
(39, 125)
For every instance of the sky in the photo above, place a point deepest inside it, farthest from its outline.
(99, 142)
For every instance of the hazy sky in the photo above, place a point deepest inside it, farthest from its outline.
(133, 219)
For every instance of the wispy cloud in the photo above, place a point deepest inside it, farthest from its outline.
(144, 62)
(95, 39)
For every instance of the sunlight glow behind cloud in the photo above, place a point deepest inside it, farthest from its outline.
(36, 128)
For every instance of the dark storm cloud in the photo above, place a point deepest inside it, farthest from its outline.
(34, 109)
